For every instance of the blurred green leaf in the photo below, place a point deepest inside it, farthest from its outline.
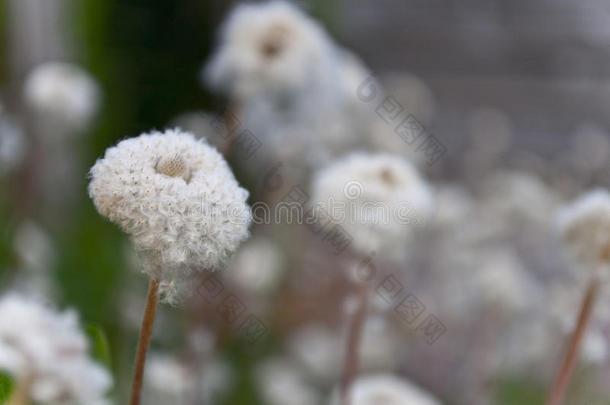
(99, 344)
(518, 391)
(6, 387)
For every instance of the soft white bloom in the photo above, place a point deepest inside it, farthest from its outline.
(585, 226)
(499, 278)
(48, 353)
(33, 245)
(595, 348)
(380, 347)
(269, 47)
(170, 380)
(177, 199)
(319, 349)
(168, 376)
(35, 250)
(290, 84)
(519, 195)
(63, 93)
(281, 383)
(376, 198)
(256, 266)
(387, 389)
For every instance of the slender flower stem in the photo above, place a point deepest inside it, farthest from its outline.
(562, 380)
(146, 331)
(231, 123)
(350, 365)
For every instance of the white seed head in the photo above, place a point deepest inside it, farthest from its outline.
(271, 46)
(281, 382)
(585, 226)
(318, 349)
(64, 93)
(177, 199)
(387, 389)
(169, 379)
(48, 352)
(378, 199)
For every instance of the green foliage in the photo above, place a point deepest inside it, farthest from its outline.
(519, 391)
(90, 266)
(6, 387)
(99, 344)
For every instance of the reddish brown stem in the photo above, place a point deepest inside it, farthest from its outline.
(560, 385)
(146, 331)
(231, 124)
(350, 365)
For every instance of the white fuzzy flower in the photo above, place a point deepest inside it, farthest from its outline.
(500, 279)
(319, 349)
(282, 383)
(177, 199)
(519, 195)
(585, 226)
(376, 198)
(169, 380)
(256, 267)
(292, 85)
(268, 47)
(387, 389)
(35, 249)
(63, 93)
(380, 347)
(47, 352)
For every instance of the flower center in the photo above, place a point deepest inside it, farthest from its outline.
(275, 41)
(173, 166)
(388, 177)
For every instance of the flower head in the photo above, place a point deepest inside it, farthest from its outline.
(376, 198)
(177, 199)
(171, 380)
(585, 226)
(281, 382)
(386, 389)
(64, 93)
(47, 352)
(272, 47)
